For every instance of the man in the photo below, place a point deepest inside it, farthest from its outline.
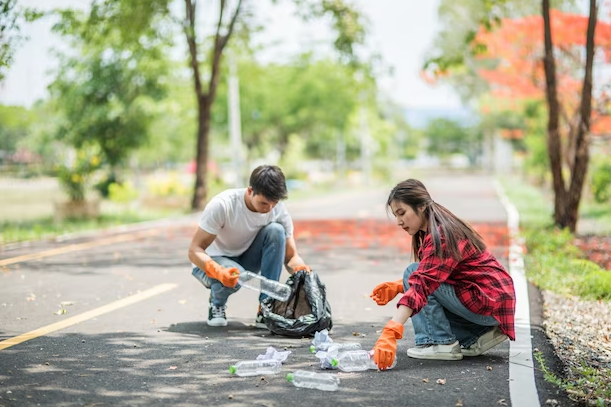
(244, 229)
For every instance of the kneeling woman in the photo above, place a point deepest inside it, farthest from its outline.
(461, 300)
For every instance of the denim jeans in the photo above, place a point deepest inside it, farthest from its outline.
(265, 255)
(444, 319)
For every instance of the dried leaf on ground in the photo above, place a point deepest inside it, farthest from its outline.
(441, 381)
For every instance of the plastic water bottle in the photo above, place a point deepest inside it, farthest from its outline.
(341, 346)
(257, 282)
(356, 361)
(313, 380)
(256, 367)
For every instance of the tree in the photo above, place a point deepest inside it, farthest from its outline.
(447, 137)
(567, 199)
(8, 33)
(346, 22)
(106, 87)
(553, 70)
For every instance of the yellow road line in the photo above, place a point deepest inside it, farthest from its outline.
(75, 247)
(7, 343)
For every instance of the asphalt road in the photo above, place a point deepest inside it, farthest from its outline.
(141, 336)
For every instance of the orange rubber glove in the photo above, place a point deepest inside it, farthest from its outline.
(386, 292)
(227, 276)
(300, 267)
(385, 349)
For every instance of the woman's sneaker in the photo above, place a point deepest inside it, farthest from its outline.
(436, 352)
(216, 316)
(485, 342)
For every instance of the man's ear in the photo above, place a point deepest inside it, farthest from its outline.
(249, 191)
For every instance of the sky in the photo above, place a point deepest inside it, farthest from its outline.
(400, 31)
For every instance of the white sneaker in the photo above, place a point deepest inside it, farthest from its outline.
(485, 342)
(216, 316)
(436, 352)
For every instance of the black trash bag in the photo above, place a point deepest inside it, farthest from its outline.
(304, 313)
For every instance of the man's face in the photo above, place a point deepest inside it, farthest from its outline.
(260, 203)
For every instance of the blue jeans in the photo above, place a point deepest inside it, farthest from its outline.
(444, 319)
(265, 255)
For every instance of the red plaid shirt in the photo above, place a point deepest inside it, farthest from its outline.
(481, 284)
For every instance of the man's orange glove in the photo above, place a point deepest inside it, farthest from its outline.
(385, 349)
(227, 276)
(386, 292)
(300, 267)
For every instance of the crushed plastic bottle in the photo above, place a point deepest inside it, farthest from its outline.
(356, 361)
(256, 367)
(257, 282)
(313, 380)
(341, 346)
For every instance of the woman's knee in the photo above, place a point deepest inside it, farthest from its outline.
(409, 271)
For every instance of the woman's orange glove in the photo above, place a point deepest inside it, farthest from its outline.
(385, 349)
(227, 276)
(386, 292)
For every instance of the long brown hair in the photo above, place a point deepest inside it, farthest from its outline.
(414, 194)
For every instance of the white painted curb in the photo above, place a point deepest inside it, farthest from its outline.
(522, 386)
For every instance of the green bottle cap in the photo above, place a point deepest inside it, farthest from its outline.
(334, 362)
(232, 369)
(289, 377)
(312, 349)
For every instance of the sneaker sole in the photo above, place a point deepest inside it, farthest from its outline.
(212, 322)
(494, 342)
(436, 356)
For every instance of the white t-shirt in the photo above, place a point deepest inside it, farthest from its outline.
(236, 226)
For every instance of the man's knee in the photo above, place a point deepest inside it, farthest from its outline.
(275, 231)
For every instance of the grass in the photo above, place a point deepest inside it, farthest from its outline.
(553, 262)
(26, 209)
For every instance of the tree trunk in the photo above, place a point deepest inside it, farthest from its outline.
(566, 201)
(554, 148)
(203, 132)
(582, 140)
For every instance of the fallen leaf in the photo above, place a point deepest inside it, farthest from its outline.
(425, 380)
(60, 312)
(230, 397)
(488, 367)
(502, 402)
(441, 381)
(171, 368)
(459, 403)
(66, 303)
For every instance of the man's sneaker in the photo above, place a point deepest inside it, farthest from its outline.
(216, 316)
(485, 342)
(260, 321)
(437, 352)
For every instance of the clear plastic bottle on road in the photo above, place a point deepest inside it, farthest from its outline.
(341, 346)
(257, 282)
(313, 380)
(256, 367)
(356, 361)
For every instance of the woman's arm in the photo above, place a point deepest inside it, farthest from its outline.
(402, 314)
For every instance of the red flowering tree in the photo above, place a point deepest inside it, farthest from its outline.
(557, 66)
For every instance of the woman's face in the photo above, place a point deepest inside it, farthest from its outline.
(407, 219)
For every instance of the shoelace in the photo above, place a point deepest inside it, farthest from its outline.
(218, 312)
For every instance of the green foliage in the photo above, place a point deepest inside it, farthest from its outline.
(601, 179)
(107, 92)
(123, 192)
(75, 177)
(14, 126)
(446, 137)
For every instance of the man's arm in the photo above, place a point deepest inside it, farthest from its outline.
(292, 259)
(197, 249)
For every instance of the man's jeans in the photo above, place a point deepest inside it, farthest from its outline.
(444, 319)
(265, 255)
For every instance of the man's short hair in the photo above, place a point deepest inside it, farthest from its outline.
(269, 181)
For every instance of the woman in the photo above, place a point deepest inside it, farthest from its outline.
(460, 299)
